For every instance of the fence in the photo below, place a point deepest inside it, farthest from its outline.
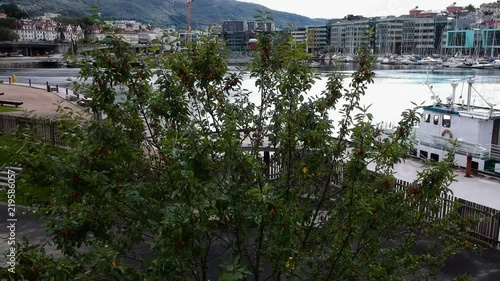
(44, 129)
(487, 220)
(487, 225)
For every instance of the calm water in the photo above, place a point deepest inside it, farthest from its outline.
(394, 89)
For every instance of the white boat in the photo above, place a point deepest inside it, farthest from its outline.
(389, 61)
(485, 66)
(474, 129)
(453, 63)
(347, 58)
(315, 64)
(429, 60)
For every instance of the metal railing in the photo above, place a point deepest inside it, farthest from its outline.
(480, 151)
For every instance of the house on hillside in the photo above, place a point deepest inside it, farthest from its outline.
(95, 33)
(35, 30)
(454, 9)
(49, 16)
(70, 33)
(490, 8)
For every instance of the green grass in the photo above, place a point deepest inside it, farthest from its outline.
(4, 109)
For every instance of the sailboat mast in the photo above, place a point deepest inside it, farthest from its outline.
(493, 43)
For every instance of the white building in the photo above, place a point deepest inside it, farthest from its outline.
(71, 32)
(129, 37)
(490, 8)
(129, 25)
(35, 30)
(49, 16)
(299, 35)
(147, 36)
(347, 35)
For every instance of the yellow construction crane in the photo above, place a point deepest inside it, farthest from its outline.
(188, 18)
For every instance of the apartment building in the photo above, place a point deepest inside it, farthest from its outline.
(395, 35)
(346, 35)
(317, 39)
(254, 26)
(299, 34)
(234, 26)
(35, 30)
(425, 35)
(389, 34)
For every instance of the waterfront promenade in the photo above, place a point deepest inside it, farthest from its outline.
(37, 99)
(480, 189)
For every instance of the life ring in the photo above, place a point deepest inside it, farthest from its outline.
(447, 132)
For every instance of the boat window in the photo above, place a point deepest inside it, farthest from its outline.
(436, 119)
(427, 118)
(434, 157)
(446, 120)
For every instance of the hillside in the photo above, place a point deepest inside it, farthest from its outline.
(164, 13)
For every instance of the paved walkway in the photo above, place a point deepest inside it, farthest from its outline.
(37, 99)
(484, 190)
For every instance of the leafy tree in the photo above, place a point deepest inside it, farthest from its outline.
(6, 22)
(83, 22)
(470, 8)
(7, 34)
(13, 11)
(166, 187)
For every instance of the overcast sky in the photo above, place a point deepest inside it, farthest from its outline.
(370, 8)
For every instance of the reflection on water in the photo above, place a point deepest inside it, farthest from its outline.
(394, 89)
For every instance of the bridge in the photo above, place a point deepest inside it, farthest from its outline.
(30, 48)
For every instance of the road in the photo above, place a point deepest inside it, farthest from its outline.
(482, 267)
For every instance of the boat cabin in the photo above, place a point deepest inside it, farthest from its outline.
(474, 130)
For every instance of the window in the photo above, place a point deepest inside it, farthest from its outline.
(446, 121)
(423, 154)
(475, 166)
(434, 157)
(436, 119)
(427, 118)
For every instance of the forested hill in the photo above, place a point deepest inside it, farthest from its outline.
(162, 13)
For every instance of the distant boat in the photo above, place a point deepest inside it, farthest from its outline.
(315, 64)
(388, 61)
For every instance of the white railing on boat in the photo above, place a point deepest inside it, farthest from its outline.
(480, 151)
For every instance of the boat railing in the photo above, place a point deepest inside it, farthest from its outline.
(480, 151)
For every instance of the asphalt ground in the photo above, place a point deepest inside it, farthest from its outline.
(481, 266)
